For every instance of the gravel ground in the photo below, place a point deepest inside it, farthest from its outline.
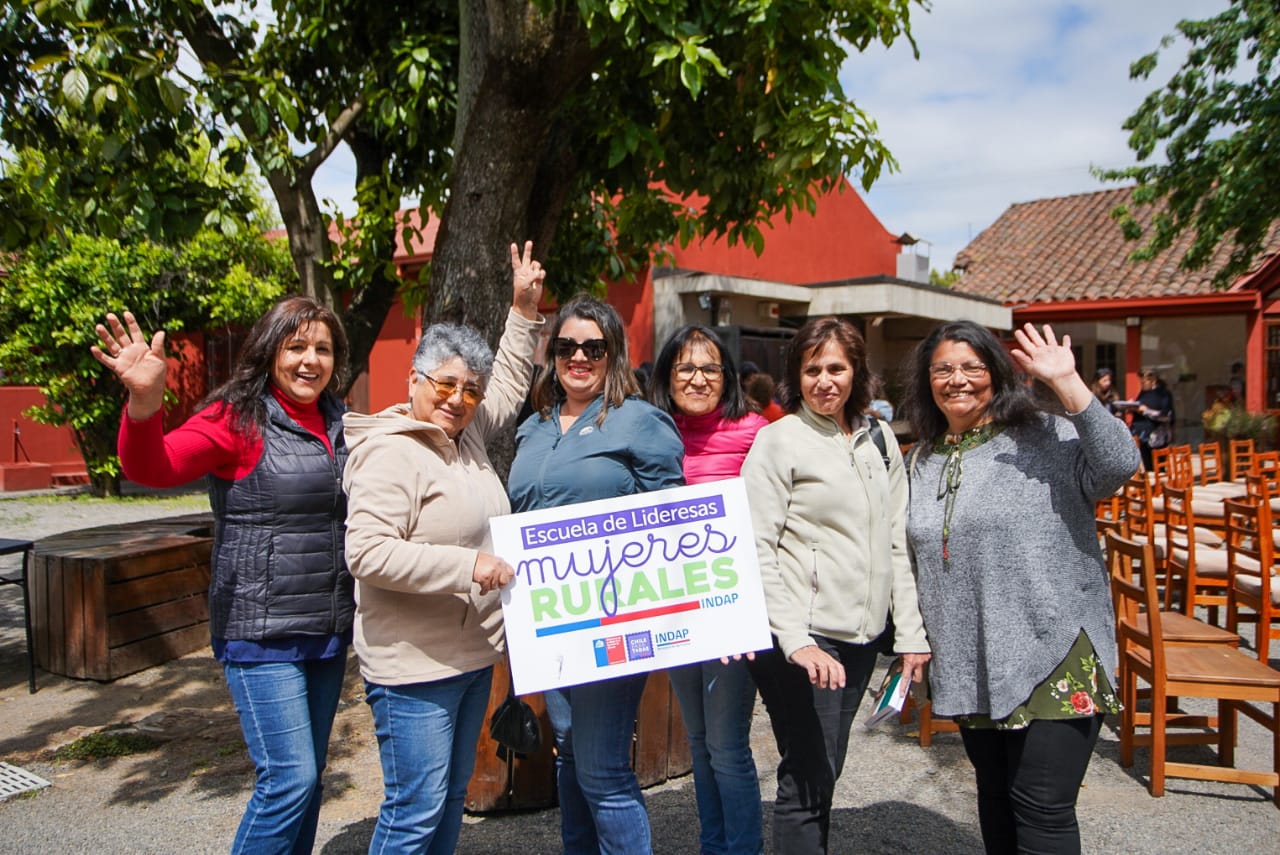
(187, 794)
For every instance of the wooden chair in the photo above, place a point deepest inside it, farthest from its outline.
(1235, 679)
(1140, 518)
(1125, 560)
(930, 724)
(1209, 455)
(1240, 458)
(1110, 508)
(1197, 570)
(1251, 569)
(1162, 465)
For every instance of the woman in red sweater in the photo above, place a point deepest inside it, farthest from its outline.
(696, 382)
(281, 601)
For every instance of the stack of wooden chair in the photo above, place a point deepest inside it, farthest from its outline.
(1176, 656)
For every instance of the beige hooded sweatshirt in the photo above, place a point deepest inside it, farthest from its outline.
(418, 509)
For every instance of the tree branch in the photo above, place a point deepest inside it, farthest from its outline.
(318, 155)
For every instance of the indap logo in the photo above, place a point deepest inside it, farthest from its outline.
(672, 638)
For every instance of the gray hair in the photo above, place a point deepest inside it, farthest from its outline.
(442, 342)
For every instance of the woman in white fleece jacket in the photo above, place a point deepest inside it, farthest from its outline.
(428, 624)
(830, 525)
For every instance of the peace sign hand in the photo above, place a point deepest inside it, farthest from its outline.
(140, 366)
(527, 278)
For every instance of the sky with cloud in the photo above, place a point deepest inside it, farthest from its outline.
(1010, 101)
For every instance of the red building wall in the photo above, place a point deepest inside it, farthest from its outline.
(843, 240)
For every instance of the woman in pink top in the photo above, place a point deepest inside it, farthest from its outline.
(696, 382)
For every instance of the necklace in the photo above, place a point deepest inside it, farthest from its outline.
(954, 446)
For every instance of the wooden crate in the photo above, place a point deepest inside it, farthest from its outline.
(113, 600)
(660, 751)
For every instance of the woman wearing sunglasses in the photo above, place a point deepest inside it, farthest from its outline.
(592, 437)
(696, 381)
(428, 624)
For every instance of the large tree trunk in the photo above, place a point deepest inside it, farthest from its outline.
(511, 174)
(509, 179)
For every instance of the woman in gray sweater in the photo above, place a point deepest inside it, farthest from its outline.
(1013, 587)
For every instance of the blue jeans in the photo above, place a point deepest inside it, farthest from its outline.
(601, 808)
(427, 742)
(716, 701)
(286, 712)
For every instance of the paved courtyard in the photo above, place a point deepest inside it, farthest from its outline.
(186, 795)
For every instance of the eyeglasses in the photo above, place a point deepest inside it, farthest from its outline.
(471, 395)
(944, 370)
(711, 370)
(593, 348)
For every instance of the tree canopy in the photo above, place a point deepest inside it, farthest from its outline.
(1217, 122)
(598, 128)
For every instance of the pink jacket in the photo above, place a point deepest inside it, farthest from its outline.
(714, 447)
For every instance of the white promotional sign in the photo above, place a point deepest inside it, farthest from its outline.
(620, 586)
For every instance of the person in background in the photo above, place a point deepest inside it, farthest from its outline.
(1015, 594)
(592, 437)
(1236, 382)
(880, 406)
(749, 369)
(759, 390)
(830, 523)
(270, 442)
(428, 626)
(1153, 417)
(1103, 388)
(695, 381)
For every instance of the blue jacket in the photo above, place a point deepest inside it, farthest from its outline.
(636, 450)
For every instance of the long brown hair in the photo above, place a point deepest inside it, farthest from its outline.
(242, 393)
(619, 379)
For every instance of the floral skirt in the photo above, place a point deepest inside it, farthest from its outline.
(1077, 687)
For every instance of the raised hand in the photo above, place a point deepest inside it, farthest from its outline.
(140, 365)
(1042, 357)
(527, 278)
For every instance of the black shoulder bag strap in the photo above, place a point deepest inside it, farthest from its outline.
(877, 436)
(883, 644)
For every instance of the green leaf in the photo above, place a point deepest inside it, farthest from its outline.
(171, 95)
(691, 77)
(75, 87)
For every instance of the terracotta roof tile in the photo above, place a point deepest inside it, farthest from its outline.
(1069, 248)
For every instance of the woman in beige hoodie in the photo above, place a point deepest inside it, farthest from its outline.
(428, 624)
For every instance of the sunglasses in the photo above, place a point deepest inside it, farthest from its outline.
(471, 395)
(593, 348)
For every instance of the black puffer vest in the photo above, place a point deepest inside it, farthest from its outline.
(278, 562)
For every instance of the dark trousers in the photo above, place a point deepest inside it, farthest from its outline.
(1028, 782)
(811, 727)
